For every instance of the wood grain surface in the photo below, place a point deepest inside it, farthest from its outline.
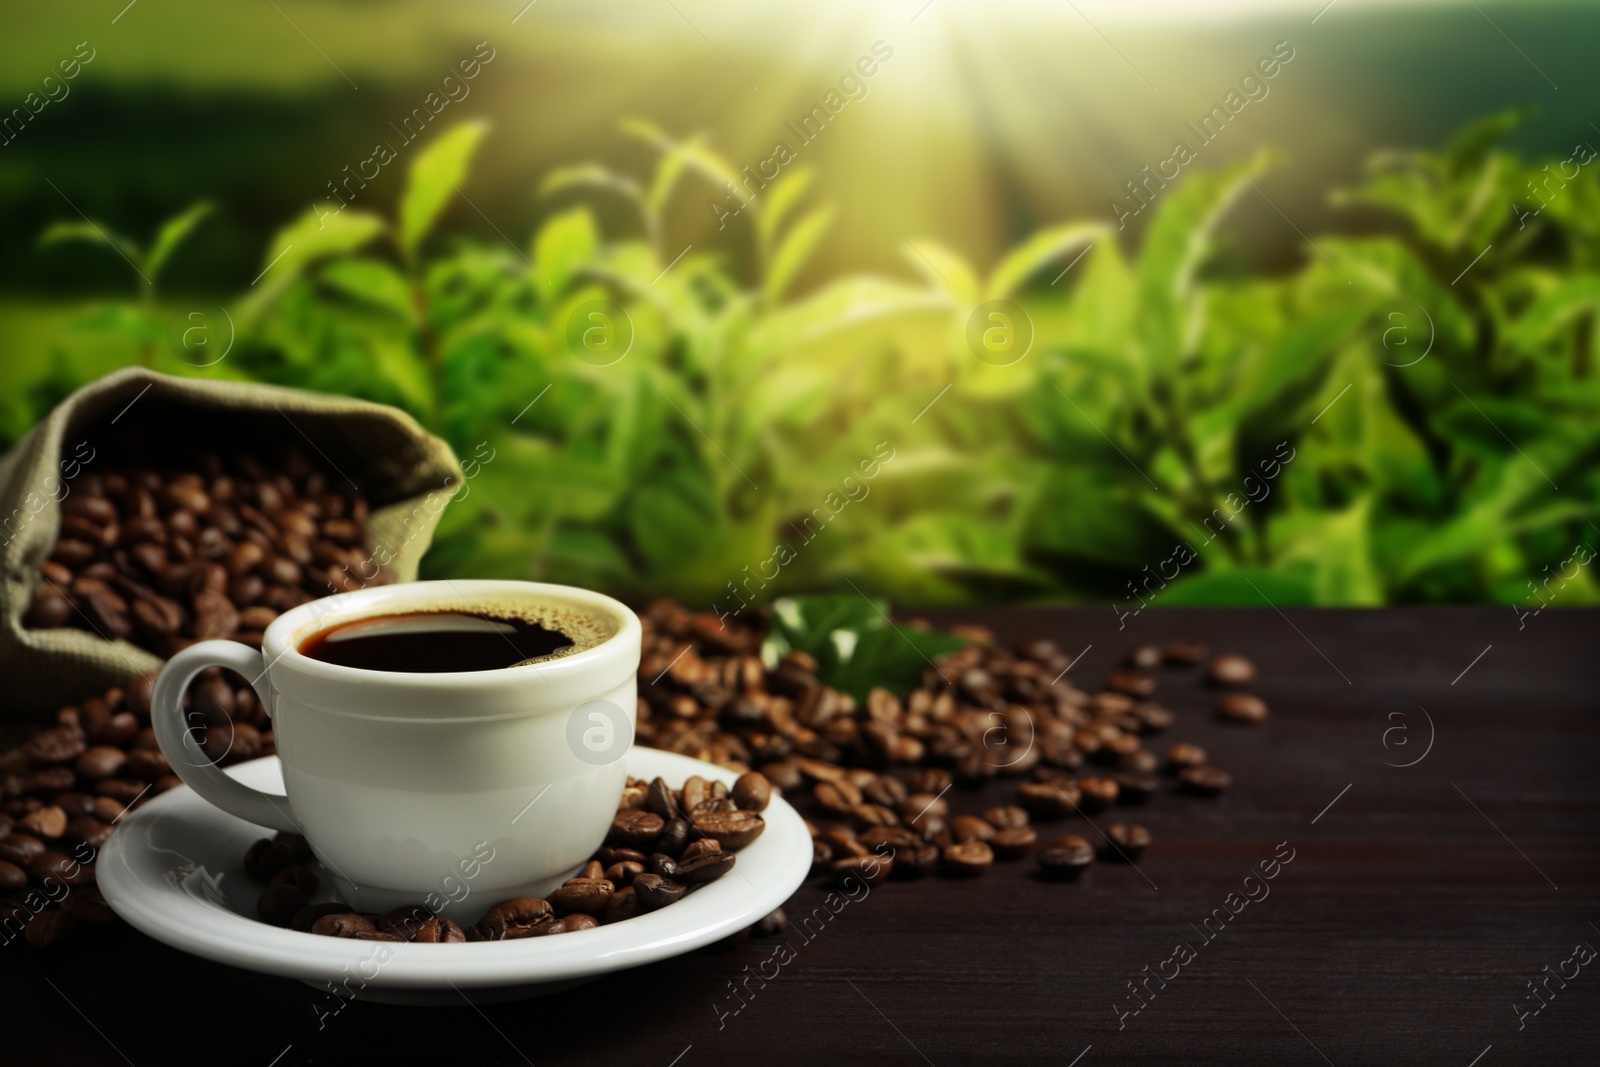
(1419, 903)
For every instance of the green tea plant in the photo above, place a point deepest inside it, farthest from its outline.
(1395, 421)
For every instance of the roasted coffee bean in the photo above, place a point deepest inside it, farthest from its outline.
(1049, 800)
(1154, 717)
(1126, 841)
(1184, 755)
(1231, 670)
(306, 917)
(49, 781)
(1181, 653)
(1204, 780)
(916, 862)
(12, 877)
(662, 864)
(609, 855)
(674, 837)
(842, 797)
(107, 809)
(89, 830)
(771, 924)
(654, 891)
(148, 764)
(1098, 794)
(1013, 842)
(752, 792)
(1007, 817)
(101, 761)
(1131, 682)
(1135, 788)
(588, 895)
(62, 867)
(970, 828)
(59, 744)
(48, 927)
(636, 829)
(20, 848)
(699, 847)
(301, 877)
(1065, 858)
(406, 921)
(868, 869)
(579, 921)
(660, 799)
(622, 873)
(280, 903)
(47, 823)
(968, 858)
(1144, 657)
(266, 858)
(624, 904)
(706, 867)
(87, 904)
(735, 829)
(519, 917)
(1246, 708)
(436, 931)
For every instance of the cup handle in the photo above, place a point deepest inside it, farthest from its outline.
(186, 757)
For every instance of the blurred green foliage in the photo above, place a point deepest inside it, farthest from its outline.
(1396, 421)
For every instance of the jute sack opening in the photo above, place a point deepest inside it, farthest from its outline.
(406, 474)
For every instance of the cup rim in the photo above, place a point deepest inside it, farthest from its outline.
(278, 649)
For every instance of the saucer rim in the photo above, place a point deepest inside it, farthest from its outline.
(129, 867)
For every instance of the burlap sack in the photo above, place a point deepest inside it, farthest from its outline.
(406, 474)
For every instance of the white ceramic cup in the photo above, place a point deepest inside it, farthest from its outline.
(454, 790)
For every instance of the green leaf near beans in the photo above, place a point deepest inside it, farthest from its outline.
(856, 645)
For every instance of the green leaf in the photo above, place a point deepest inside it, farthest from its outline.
(944, 269)
(782, 197)
(435, 176)
(590, 176)
(793, 251)
(373, 282)
(668, 530)
(1177, 243)
(171, 235)
(566, 243)
(91, 232)
(325, 230)
(855, 645)
(1046, 246)
(1246, 587)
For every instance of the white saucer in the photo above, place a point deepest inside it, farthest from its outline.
(175, 870)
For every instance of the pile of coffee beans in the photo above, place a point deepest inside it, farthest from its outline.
(879, 779)
(67, 787)
(874, 776)
(663, 844)
(165, 557)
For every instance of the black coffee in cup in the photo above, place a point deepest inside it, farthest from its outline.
(437, 642)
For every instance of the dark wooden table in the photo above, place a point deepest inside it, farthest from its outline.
(1419, 903)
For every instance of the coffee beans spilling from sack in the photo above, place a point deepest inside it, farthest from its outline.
(165, 557)
(663, 844)
(69, 785)
(874, 776)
